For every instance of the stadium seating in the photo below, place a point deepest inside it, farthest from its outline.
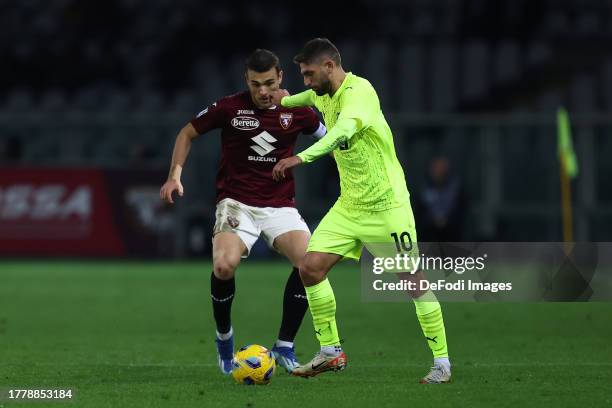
(143, 76)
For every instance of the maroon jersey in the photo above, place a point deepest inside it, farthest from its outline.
(253, 140)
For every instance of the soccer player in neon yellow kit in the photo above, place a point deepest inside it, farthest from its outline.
(373, 205)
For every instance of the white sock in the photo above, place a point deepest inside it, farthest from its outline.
(225, 336)
(331, 350)
(282, 343)
(443, 361)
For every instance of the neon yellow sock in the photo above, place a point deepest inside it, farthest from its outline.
(322, 303)
(429, 313)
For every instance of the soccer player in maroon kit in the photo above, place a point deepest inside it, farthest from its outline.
(255, 135)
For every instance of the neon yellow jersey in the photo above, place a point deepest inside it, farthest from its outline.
(371, 177)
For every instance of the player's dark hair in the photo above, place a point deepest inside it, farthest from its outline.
(262, 60)
(317, 48)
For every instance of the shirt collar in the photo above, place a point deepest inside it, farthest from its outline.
(343, 85)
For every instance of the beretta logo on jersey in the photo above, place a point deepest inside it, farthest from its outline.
(285, 119)
(245, 123)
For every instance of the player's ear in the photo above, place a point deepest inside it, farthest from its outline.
(329, 65)
(280, 77)
(246, 78)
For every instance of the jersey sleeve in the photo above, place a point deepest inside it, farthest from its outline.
(305, 98)
(213, 117)
(340, 133)
(311, 121)
(359, 103)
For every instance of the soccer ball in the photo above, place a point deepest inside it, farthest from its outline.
(253, 364)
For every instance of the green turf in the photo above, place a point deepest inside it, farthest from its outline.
(141, 335)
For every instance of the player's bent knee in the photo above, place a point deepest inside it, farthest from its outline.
(311, 274)
(223, 269)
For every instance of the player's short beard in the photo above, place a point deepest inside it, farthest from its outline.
(325, 87)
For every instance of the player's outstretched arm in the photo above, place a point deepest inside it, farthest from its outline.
(340, 133)
(278, 172)
(277, 95)
(179, 156)
(283, 98)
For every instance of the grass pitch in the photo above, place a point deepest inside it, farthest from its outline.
(127, 334)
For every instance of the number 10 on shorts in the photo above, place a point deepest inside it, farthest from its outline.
(403, 241)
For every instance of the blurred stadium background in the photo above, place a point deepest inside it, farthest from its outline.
(470, 88)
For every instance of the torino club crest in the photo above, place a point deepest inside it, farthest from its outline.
(233, 221)
(285, 120)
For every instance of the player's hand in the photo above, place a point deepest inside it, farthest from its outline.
(169, 187)
(278, 95)
(278, 172)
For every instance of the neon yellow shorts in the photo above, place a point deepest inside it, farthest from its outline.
(385, 233)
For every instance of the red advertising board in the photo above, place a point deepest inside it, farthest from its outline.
(57, 212)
